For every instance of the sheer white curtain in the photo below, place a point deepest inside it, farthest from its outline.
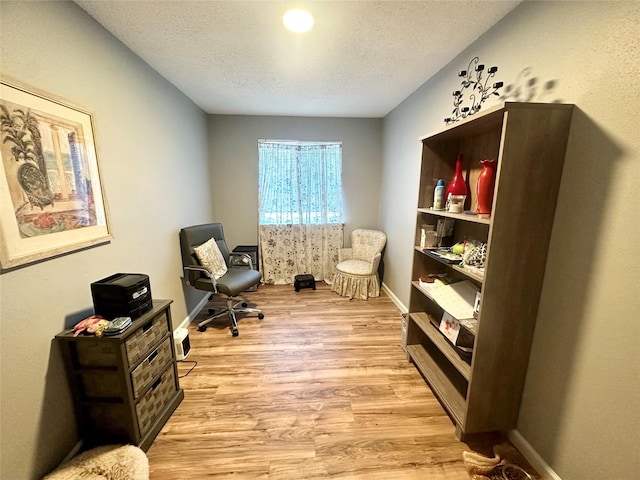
(300, 209)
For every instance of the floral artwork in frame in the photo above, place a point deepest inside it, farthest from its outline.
(51, 195)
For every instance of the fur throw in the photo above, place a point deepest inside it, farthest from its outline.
(109, 462)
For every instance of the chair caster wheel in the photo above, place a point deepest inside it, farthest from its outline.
(245, 304)
(260, 316)
(202, 328)
(212, 311)
(234, 333)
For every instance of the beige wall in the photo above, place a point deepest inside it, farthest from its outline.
(580, 406)
(152, 149)
(233, 150)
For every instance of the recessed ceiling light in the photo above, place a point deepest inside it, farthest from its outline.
(298, 20)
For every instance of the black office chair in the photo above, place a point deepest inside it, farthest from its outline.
(231, 284)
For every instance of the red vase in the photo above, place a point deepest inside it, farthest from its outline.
(457, 185)
(486, 182)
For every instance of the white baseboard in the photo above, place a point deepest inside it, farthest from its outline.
(394, 299)
(533, 457)
(194, 313)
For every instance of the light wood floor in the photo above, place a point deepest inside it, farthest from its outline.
(320, 388)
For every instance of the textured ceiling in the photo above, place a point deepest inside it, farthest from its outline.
(361, 59)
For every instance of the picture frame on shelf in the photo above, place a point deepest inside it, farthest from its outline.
(449, 327)
(52, 198)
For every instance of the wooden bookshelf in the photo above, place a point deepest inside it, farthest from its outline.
(528, 140)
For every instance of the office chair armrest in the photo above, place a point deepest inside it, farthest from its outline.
(244, 255)
(207, 273)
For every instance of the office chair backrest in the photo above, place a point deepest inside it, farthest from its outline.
(191, 237)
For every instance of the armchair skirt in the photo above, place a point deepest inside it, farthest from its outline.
(356, 285)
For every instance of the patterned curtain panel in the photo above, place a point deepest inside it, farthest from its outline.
(290, 250)
(300, 209)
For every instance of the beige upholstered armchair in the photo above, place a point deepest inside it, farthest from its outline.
(357, 269)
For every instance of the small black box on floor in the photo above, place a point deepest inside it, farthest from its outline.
(305, 280)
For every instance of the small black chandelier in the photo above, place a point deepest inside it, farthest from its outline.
(479, 91)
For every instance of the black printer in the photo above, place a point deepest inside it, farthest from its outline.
(122, 295)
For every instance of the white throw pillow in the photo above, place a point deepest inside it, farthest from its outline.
(210, 257)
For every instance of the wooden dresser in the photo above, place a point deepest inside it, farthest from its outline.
(125, 387)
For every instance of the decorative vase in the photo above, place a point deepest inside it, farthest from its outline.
(457, 185)
(486, 182)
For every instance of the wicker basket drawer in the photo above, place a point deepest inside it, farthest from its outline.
(152, 403)
(144, 338)
(143, 374)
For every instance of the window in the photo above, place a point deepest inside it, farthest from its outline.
(299, 182)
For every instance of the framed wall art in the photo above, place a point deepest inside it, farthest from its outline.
(51, 195)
